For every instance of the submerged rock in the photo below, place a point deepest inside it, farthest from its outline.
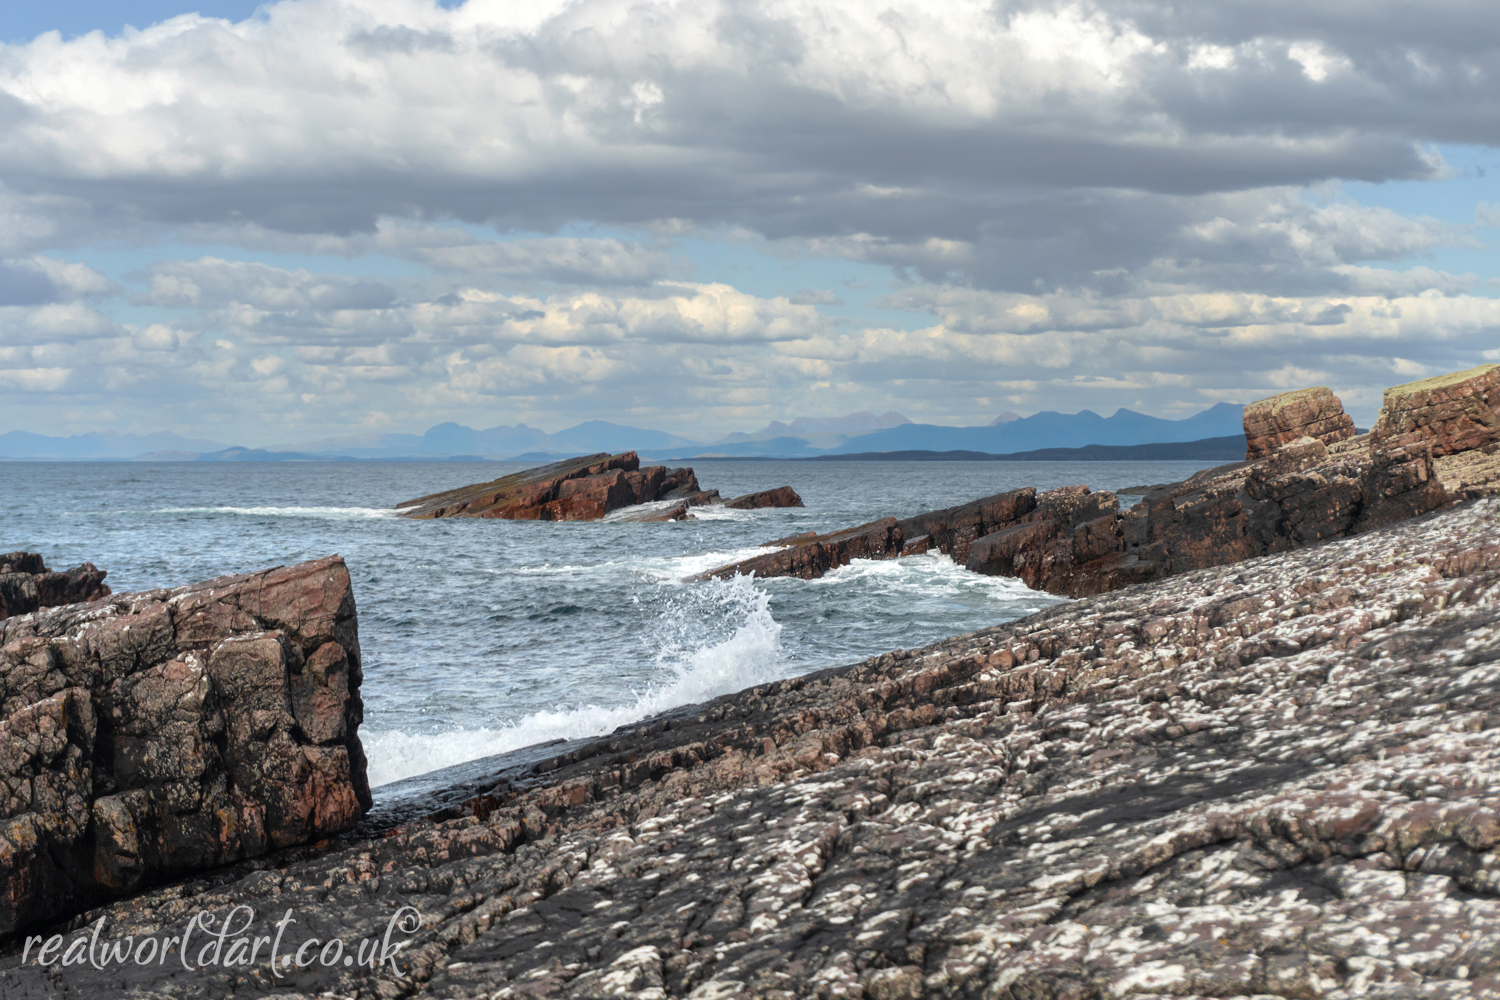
(27, 585)
(1277, 778)
(582, 489)
(145, 735)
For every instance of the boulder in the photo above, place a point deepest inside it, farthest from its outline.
(1270, 779)
(781, 496)
(27, 585)
(1316, 413)
(1452, 413)
(169, 731)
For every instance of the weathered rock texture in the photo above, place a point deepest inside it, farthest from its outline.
(1076, 542)
(1453, 413)
(583, 489)
(1271, 424)
(781, 496)
(149, 734)
(1281, 778)
(27, 585)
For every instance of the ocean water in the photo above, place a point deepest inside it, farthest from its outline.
(481, 636)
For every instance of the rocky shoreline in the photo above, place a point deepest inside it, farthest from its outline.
(1307, 478)
(1270, 765)
(1281, 777)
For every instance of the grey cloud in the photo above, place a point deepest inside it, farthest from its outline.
(25, 284)
(211, 282)
(567, 260)
(815, 297)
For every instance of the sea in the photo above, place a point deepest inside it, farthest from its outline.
(483, 636)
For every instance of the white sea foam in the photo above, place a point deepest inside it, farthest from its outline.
(750, 655)
(330, 513)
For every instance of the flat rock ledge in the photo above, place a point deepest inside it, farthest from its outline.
(27, 585)
(146, 735)
(1280, 778)
(586, 489)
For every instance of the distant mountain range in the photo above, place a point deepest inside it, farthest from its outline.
(805, 437)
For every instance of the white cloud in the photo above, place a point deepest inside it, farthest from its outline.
(1121, 202)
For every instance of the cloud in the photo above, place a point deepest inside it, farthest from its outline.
(1121, 202)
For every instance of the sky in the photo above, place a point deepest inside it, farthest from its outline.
(324, 218)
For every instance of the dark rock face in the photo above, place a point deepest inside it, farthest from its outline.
(583, 489)
(1278, 778)
(149, 734)
(27, 585)
(1271, 424)
(1075, 542)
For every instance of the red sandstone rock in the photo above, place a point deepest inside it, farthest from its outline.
(150, 734)
(781, 496)
(26, 585)
(1071, 541)
(580, 489)
(1452, 413)
(1272, 423)
(811, 557)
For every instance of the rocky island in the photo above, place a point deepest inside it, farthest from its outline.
(585, 489)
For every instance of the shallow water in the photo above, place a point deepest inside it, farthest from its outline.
(481, 636)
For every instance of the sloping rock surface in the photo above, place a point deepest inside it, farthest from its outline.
(27, 585)
(144, 735)
(584, 489)
(1280, 778)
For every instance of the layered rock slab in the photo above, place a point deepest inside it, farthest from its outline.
(1451, 413)
(1280, 778)
(583, 489)
(1271, 424)
(149, 734)
(27, 585)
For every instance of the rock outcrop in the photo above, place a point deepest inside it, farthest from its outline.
(1271, 424)
(581, 489)
(145, 735)
(1451, 413)
(1076, 542)
(27, 585)
(1280, 778)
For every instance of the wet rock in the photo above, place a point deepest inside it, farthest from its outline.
(1272, 423)
(1452, 413)
(1277, 778)
(149, 734)
(810, 556)
(27, 585)
(781, 496)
